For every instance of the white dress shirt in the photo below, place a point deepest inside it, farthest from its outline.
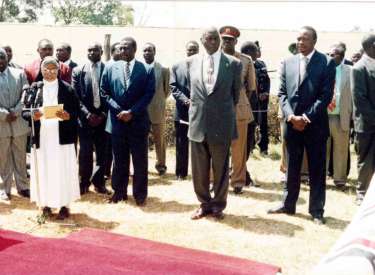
(206, 63)
(149, 66)
(303, 61)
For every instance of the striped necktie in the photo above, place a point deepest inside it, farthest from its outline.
(127, 74)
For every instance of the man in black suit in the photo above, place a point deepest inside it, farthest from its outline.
(92, 120)
(363, 89)
(64, 53)
(128, 87)
(306, 88)
(180, 88)
(215, 82)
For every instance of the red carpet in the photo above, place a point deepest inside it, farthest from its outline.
(97, 252)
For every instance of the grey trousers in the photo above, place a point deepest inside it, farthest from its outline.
(203, 154)
(366, 161)
(13, 162)
(340, 140)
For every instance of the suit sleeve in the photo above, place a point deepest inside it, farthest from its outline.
(149, 92)
(166, 88)
(250, 80)
(361, 99)
(175, 87)
(17, 109)
(236, 86)
(76, 85)
(326, 92)
(283, 94)
(105, 92)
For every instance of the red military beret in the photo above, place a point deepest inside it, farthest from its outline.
(229, 31)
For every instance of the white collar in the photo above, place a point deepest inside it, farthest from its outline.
(215, 55)
(131, 62)
(370, 59)
(308, 56)
(68, 62)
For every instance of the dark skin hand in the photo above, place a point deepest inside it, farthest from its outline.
(11, 117)
(64, 115)
(95, 120)
(37, 115)
(299, 122)
(125, 116)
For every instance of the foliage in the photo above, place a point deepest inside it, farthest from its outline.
(21, 10)
(94, 12)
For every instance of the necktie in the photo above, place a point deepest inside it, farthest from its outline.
(210, 70)
(95, 86)
(302, 68)
(127, 74)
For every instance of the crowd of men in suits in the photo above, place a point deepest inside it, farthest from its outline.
(221, 95)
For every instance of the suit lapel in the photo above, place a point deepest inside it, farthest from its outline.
(134, 73)
(200, 77)
(309, 67)
(157, 72)
(222, 70)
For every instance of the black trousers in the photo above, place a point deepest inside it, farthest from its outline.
(91, 140)
(316, 148)
(108, 155)
(261, 118)
(250, 145)
(134, 144)
(182, 149)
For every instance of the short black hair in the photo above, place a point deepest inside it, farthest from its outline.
(113, 47)
(368, 41)
(312, 30)
(45, 41)
(131, 40)
(339, 47)
(249, 46)
(192, 42)
(66, 46)
(152, 45)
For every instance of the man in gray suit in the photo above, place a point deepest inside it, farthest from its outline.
(339, 116)
(215, 81)
(156, 109)
(363, 81)
(14, 130)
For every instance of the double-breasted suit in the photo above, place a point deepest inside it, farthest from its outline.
(212, 126)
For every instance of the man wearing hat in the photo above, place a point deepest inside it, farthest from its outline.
(244, 115)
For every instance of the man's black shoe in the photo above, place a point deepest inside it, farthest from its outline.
(24, 193)
(319, 220)
(280, 210)
(117, 197)
(102, 190)
(237, 190)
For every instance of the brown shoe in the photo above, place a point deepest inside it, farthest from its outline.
(199, 214)
(63, 213)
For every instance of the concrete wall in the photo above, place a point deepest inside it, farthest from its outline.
(170, 43)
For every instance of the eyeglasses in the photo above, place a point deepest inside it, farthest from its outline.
(50, 70)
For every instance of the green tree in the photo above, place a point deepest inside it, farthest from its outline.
(21, 10)
(94, 12)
